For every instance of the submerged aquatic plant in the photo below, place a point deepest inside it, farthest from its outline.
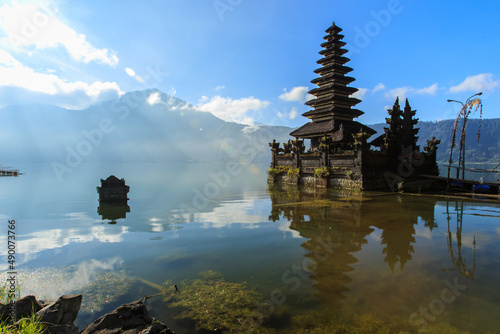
(105, 288)
(215, 304)
(328, 321)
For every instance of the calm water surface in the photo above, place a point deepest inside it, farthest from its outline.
(416, 260)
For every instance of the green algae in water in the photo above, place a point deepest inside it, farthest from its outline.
(325, 321)
(338, 203)
(317, 203)
(215, 304)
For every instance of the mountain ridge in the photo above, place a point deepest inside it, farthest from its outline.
(487, 149)
(128, 129)
(151, 126)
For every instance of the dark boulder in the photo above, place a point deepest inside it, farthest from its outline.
(61, 312)
(132, 318)
(24, 308)
(62, 329)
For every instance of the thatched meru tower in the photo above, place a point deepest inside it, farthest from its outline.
(339, 155)
(332, 113)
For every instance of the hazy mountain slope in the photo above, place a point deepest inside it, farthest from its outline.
(129, 129)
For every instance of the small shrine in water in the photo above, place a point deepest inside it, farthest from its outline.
(113, 199)
(113, 189)
(339, 154)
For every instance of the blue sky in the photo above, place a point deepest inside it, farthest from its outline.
(250, 61)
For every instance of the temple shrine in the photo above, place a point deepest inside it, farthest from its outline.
(339, 154)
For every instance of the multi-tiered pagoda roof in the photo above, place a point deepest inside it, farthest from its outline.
(332, 111)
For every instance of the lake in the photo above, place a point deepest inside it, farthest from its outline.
(312, 258)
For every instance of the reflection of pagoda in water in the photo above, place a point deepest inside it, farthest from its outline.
(343, 232)
(398, 239)
(345, 226)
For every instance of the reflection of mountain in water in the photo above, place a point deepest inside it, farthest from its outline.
(345, 224)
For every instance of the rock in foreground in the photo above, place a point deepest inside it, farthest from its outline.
(58, 317)
(132, 318)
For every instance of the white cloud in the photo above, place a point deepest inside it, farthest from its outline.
(379, 86)
(484, 82)
(184, 106)
(401, 92)
(15, 74)
(286, 114)
(230, 213)
(28, 25)
(53, 282)
(431, 90)
(250, 129)
(297, 94)
(310, 97)
(77, 227)
(287, 231)
(424, 233)
(232, 110)
(153, 98)
(360, 94)
(219, 88)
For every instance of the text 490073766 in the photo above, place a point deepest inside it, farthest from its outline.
(12, 273)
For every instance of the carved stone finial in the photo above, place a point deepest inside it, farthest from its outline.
(275, 146)
(432, 145)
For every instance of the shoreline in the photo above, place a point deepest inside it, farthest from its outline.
(58, 316)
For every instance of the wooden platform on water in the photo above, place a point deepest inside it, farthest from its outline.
(4, 172)
(468, 185)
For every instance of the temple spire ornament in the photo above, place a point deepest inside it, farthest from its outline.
(409, 132)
